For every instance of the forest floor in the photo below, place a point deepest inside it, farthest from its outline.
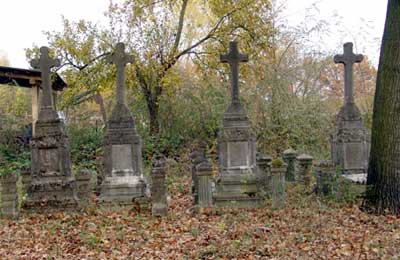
(306, 228)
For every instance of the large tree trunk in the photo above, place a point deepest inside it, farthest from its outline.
(383, 192)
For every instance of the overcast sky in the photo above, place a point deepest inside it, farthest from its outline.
(23, 21)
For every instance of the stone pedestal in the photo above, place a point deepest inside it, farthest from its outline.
(51, 185)
(159, 206)
(350, 143)
(9, 196)
(123, 182)
(204, 174)
(236, 184)
(289, 156)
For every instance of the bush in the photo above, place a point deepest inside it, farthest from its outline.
(86, 145)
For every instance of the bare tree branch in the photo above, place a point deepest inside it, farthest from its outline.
(180, 27)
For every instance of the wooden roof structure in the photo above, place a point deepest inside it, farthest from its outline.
(27, 78)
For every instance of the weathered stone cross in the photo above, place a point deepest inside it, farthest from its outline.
(233, 58)
(44, 64)
(120, 58)
(348, 58)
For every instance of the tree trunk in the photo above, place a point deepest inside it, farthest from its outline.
(383, 192)
(153, 107)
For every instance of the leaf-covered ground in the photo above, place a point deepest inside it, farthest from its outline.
(304, 229)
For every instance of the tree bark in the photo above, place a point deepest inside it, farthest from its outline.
(383, 190)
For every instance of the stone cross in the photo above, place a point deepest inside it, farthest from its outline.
(44, 64)
(233, 58)
(120, 58)
(348, 58)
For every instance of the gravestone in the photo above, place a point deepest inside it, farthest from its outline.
(350, 142)
(123, 181)
(52, 184)
(236, 184)
(159, 206)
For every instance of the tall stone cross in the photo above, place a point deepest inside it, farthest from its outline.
(120, 58)
(348, 58)
(44, 64)
(233, 58)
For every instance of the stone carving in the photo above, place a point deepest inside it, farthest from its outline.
(158, 189)
(123, 177)
(52, 183)
(350, 142)
(236, 184)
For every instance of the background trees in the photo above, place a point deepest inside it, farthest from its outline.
(177, 88)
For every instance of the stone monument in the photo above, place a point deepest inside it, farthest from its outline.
(52, 183)
(236, 184)
(350, 142)
(123, 181)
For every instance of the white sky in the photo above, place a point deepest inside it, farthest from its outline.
(23, 21)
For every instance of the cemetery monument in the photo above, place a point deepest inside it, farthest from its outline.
(123, 180)
(350, 142)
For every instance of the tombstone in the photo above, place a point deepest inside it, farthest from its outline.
(9, 196)
(123, 181)
(289, 156)
(204, 173)
(304, 173)
(52, 184)
(236, 184)
(350, 142)
(158, 188)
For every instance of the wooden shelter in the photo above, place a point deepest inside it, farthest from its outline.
(27, 78)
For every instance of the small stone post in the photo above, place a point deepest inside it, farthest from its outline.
(26, 180)
(289, 156)
(83, 178)
(325, 176)
(197, 156)
(9, 196)
(204, 174)
(278, 186)
(264, 167)
(305, 163)
(158, 188)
